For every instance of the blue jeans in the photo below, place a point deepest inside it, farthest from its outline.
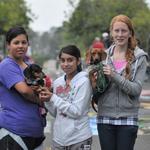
(117, 137)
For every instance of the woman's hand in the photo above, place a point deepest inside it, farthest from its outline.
(44, 94)
(108, 70)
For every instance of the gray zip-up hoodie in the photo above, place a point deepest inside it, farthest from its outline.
(121, 99)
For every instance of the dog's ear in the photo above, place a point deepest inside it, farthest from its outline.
(30, 71)
(88, 56)
(27, 72)
(91, 60)
(103, 55)
(35, 68)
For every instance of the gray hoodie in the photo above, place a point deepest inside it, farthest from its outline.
(70, 109)
(122, 97)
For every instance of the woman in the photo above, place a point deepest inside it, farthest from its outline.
(20, 120)
(117, 118)
(69, 103)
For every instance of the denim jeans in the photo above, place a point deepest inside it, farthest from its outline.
(117, 137)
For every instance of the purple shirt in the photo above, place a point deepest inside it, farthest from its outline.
(17, 114)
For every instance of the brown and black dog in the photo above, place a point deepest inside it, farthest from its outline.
(96, 53)
(96, 56)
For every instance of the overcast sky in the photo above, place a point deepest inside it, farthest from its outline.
(49, 13)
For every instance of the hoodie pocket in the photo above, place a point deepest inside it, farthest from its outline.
(81, 123)
(64, 127)
(128, 102)
(109, 98)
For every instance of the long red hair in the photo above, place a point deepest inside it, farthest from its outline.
(132, 42)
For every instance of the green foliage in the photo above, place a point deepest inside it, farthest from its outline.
(40, 59)
(142, 27)
(92, 17)
(13, 12)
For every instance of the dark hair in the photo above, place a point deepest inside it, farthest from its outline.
(14, 32)
(73, 51)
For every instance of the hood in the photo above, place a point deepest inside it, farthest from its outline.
(79, 75)
(139, 52)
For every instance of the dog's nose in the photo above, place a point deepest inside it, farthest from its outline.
(96, 61)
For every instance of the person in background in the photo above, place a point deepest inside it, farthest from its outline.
(118, 106)
(21, 124)
(69, 103)
(106, 40)
(98, 43)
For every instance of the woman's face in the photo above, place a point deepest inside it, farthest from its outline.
(69, 63)
(120, 33)
(18, 47)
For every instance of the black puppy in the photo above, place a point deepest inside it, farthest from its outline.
(34, 75)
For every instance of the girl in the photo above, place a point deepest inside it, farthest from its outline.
(117, 118)
(69, 103)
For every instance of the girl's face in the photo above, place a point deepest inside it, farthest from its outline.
(18, 47)
(69, 64)
(120, 33)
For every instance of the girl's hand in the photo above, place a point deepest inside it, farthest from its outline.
(107, 70)
(44, 94)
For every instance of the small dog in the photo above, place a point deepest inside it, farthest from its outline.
(98, 80)
(97, 55)
(34, 76)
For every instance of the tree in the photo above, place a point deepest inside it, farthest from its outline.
(92, 17)
(14, 12)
